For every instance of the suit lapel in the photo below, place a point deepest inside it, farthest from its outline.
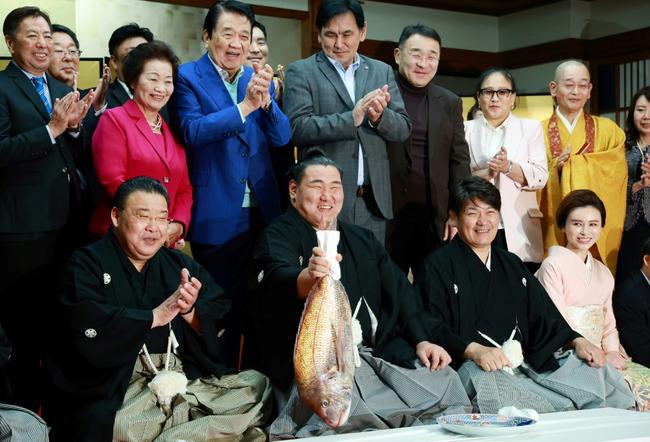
(117, 93)
(360, 78)
(512, 139)
(211, 82)
(333, 77)
(434, 122)
(143, 126)
(27, 87)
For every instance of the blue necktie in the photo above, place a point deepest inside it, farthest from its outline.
(39, 83)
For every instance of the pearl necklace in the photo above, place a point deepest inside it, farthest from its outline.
(155, 127)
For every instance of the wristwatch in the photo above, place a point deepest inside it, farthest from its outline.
(509, 167)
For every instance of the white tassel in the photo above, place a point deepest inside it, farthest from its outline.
(511, 349)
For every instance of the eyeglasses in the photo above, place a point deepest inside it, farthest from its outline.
(74, 53)
(160, 221)
(501, 93)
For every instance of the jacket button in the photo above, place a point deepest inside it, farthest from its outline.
(64, 170)
(242, 180)
(244, 154)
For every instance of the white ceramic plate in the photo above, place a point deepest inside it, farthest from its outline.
(477, 424)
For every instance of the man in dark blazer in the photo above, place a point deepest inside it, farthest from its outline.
(227, 117)
(424, 167)
(632, 311)
(350, 107)
(39, 189)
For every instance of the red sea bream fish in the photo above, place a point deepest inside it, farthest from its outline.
(323, 355)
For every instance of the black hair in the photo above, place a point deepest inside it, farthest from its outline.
(124, 33)
(645, 248)
(418, 29)
(631, 132)
(471, 113)
(66, 30)
(138, 184)
(494, 70)
(15, 18)
(136, 59)
(575, 200)
(257, 24)
(331, 8)
(473, 188)
(313, 157)
(234, 6)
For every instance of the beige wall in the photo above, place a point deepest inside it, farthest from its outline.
(457, 30)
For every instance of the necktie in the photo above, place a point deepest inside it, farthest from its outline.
(39, 83)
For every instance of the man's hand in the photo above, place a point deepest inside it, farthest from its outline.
(432, 356)
(78, 111)
(450, 231)
(371, 98)
(318, 267)
(174, 231)
(182, 300)
(588, 352)
(257, 90)
(563, 158)
(102, 87)
(377, 106)
(488, 358)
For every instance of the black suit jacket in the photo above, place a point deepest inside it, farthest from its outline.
(632, 311)
(35, 175)
(448, 154)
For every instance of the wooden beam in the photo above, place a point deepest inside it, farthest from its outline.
(483, 7)
(543, 53)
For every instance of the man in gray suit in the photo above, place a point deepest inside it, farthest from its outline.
(350, 107)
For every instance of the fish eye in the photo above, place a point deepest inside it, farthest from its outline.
(325, 403)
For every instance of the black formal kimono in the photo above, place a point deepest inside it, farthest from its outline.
(383, 395)
(632, 310)
(462, 297)
(104, 318)
(283, 251)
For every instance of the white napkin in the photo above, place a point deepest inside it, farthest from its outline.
(328, 240)
(516, 412)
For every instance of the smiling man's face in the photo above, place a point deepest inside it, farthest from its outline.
(319, 196)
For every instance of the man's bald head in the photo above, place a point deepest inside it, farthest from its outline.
(571, 87)
(571, 66)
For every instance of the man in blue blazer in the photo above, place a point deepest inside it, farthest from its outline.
(228, 119)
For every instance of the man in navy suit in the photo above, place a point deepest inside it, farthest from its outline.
(228, 119)
(40, 143)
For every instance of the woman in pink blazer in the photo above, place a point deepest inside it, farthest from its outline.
(133, 140)
(510, 152)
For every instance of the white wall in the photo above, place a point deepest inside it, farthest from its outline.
(457, 30)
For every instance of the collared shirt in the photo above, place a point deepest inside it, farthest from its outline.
(569, 126)
(126, 88)
(646, 278)
(47, 95)
(492, 139)
(231, 87)
(347, 76)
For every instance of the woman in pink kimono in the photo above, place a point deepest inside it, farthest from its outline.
(581, 286)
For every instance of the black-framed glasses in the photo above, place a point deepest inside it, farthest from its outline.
(501, 93)
(74, 53)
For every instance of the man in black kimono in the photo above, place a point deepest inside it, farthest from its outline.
(477, 296)
(125, 293)
(632, 310)
(287, 264)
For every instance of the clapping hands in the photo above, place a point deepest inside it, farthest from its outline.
(371, 106)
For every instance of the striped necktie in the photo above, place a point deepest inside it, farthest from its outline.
(39, 83)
